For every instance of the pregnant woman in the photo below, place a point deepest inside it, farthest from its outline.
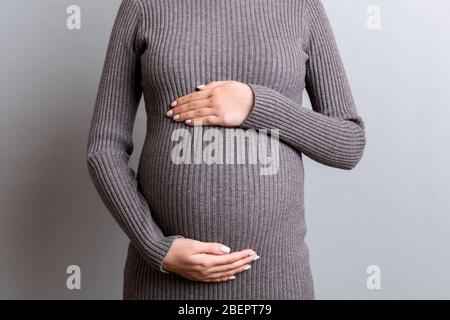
(219, 229)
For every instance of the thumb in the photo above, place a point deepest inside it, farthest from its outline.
(211, 85)
(213, 248)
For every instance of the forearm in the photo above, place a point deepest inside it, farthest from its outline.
(118, 189)
(336, 142)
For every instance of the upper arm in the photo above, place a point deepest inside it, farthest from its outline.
(327, 84)
(119, 91)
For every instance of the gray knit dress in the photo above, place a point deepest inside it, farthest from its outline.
(162, 50)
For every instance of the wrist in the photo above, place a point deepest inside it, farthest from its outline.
(249, 101)
(162, 265)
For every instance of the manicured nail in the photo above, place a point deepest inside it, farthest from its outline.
(169, 113)
(247, 267)
(173, 104)
(188, 121)
(176, 117)
(225, 249)
(232, 277)
(256, 258)
(201, 86)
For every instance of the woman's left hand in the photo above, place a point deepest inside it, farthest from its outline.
(220, 103)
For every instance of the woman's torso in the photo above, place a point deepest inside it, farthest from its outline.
(189, 43)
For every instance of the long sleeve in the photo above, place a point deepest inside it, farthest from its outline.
(332, 133)
(110, 138)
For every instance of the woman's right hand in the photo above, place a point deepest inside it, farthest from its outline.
(206, 261)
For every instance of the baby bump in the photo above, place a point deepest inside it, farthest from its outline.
(235, 203)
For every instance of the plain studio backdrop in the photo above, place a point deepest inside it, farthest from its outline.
(391, 211)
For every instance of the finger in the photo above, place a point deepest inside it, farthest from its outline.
(231, 258)
(194, 114)
(194, 96)
(198, 104)
(230, 273)
(234, 265)
(222, 279)
(204, 121)
(211, 248)
(212, 260)
(211, 85)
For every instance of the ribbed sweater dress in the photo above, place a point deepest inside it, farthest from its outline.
(162, 50)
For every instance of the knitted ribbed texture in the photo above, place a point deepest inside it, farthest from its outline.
(163, 49)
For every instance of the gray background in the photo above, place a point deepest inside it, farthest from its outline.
(392, 210)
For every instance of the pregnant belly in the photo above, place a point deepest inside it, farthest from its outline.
(228, 203)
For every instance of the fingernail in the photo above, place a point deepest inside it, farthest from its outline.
(232, 277)
(256, 258)
(169, 113)
(201, 86)
(225, 249)
(251, 253)
(247, 267)
(188, 121)
(173, 104)
(176, 117)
